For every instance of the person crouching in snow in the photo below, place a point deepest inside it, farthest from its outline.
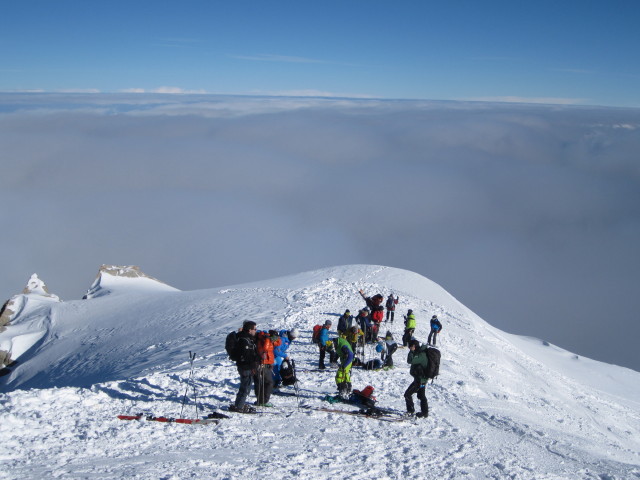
(388, 347)
(419, 361)
(343, 375)
(281, 352)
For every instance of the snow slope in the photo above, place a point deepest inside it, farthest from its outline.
(503, 407)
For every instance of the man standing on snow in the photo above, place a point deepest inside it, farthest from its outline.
(391, 307)
(247, 364)
(344, 323)
(419, 361)
(436, 326)
(409, 327)
(326, 345)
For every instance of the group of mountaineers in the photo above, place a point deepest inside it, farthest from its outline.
(263, 360)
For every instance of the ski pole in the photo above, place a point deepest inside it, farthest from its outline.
(184, 399)
(295, 384)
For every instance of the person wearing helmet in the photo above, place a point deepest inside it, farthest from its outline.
(409, 327)
(281, 353)
(436, 326)
(419, 361)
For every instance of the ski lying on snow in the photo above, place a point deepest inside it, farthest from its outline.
(359, 413)
(373, 411)
(151, 418)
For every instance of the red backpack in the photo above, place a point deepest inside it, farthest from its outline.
(315, 338)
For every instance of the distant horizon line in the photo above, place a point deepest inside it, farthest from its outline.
(170, 91)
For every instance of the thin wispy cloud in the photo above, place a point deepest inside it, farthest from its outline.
(311, 93)
(286, 59)
(170, 90)
(532, 100)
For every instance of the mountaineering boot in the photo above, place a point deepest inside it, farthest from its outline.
(343, 390)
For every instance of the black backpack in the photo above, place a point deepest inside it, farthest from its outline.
(231, 346)
(287, 373)
(433, 368)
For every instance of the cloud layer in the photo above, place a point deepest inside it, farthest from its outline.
(529, 214)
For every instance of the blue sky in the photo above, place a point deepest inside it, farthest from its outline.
(571, 52)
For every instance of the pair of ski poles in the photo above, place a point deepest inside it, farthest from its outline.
(190, 382)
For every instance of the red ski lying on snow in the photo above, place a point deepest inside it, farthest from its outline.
(213, 418)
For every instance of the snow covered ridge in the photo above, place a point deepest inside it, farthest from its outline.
(113, 278)
(503, 406)
(29, 310)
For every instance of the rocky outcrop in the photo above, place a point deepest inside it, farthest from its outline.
(12, 308)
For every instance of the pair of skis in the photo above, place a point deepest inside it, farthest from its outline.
(375, 415)
(190, 421)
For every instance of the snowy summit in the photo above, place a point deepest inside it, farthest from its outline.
(503, 406)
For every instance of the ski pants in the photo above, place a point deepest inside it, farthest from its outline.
(433, 333)
(406, 338)
(323, 352)
(263, 381)
(388, 357)
(246, 379)
(390, 315)
(276, 370)
(419, 388)
(343, 375)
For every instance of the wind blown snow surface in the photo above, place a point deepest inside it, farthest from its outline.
(503, 406)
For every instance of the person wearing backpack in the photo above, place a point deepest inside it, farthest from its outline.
(409, 327)
(436, 326)
(281, 352)
(263, 379)
(419, 362)
(391, 307)
(325, 345)
(246, 355)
